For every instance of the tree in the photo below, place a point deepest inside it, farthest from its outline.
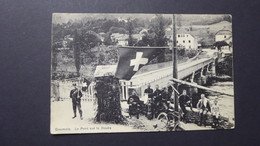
(147, 40)
(108, 99)
(220, 44)
(77, 51)
(114, 29)
(107, 39)
(54, 59)
(88, 40)
(160, 38)
(130, 30)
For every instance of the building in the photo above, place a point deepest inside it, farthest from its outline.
(122, 42)
(184, 38)
(120, 39)
(224, 35)
(138, 36)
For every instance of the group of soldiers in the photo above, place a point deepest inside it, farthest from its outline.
(161, 100)
(158, 101)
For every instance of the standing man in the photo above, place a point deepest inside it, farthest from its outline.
(215, 113)
(204, 107)
(157, 99)
(149, 91)
(184, 99)
(150, 109)
(76, 95)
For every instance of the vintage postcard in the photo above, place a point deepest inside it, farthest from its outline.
(141, 73)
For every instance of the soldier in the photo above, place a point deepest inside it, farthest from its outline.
(184, 99)
(133, 102)
(157, 99)
(76, 95)
(150, 109)
(170, 89)
(157, 93)
(149, 91)
(165, 98)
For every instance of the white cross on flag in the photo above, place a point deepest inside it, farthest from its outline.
(131, 59)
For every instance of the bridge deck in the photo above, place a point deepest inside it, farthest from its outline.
(184, 70)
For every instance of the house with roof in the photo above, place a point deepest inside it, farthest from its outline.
(224, 35)
(120, 39)
(184, 38)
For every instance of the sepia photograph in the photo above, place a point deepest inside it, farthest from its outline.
(130, 72)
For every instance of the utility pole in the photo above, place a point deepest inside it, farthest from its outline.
(174, 60)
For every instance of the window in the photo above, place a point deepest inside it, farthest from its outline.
(183, 41)
(225, 36)
(177, 42)
(178, 36)
(187, 35)
(189, 41)
(189, 46)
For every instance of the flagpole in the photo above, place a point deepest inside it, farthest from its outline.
(174, 59)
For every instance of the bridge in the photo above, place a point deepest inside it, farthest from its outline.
(192, 70)
(161, 73)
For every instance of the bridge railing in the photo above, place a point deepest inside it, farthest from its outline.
(162, 76)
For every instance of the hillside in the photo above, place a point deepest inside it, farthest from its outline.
(205, 34)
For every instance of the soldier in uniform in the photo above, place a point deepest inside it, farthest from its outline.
(170, 89)
(149, 91)
(165, 98)
(157, 99)
(184, 99)
(150, 109)
(76, 95)
(133, 102)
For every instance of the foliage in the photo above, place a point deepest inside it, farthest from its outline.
(54, 59)
(160, 38)
(107, 40)
(77, 51)
(108, 98)
(114, 29)
(220, 44)
(159, 30)
(130, 30)
(225, 67)
(88, 40)
(147, 40)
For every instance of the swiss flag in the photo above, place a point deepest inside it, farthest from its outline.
(131, 59)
